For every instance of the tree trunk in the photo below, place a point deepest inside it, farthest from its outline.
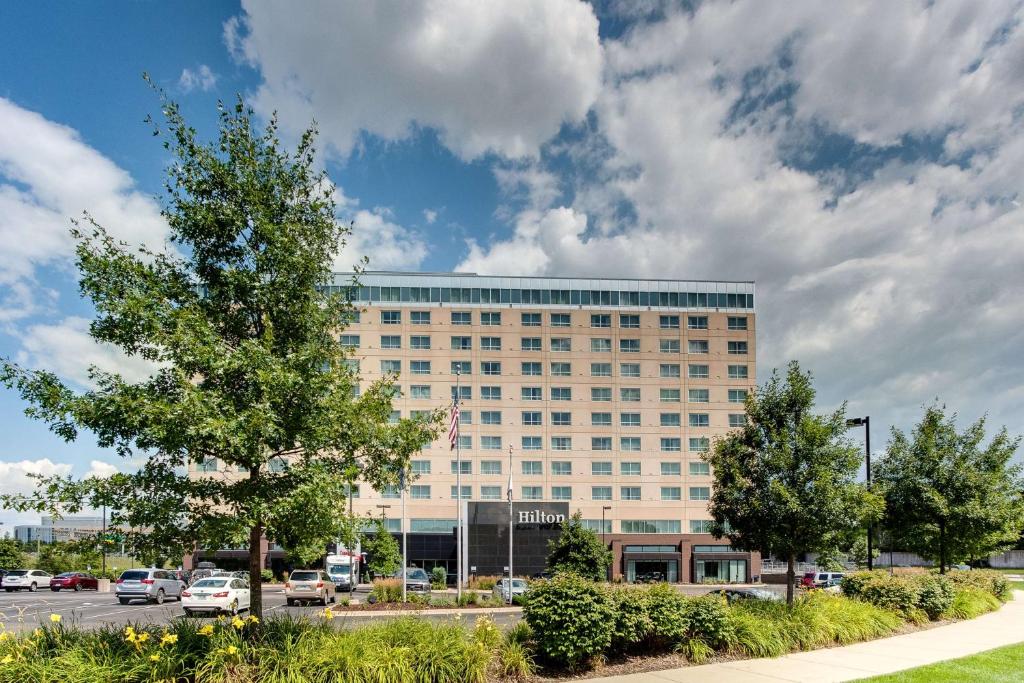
(942, 547)
(790, 578)
(255, 571)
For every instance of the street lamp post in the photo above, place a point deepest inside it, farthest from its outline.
(604, 508)
(383, 517)
(866, 423)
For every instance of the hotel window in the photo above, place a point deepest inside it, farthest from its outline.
(600, 320)
(490, 393)
(629, 394)
(697, 322)
(629, 493)
(671, 493)
(669, 444)
(490, 343)
(629, 321)
(487, 318)
(737, 395)
(600, 393)
(420, 466)
(737, 372)
(600, 369)
(629, 346)
(350, 317)
(532, 419)
(490, 493)
(700, 420)
(601, 419)
(349, 341)
(697, 346)
(491, 367)
(629, 369)
(561, 443)
(351, 364)
(629, 469)
(600, 492)
(465, 441)
(668, 322)
(738, 348)
(700, 493)
(737, 419)
(561, 393)
(531, 319)
(669, 395)
(210, 465)
(629, 443)
(533, 493)
(561, 419)
(467, 492)
(462, 343)
(560, 320)
(700, 444)
(600, 443)
(530, 343)
(650, 526)
(561, 369)
(419, 391)
(419, 342)
(598, 345)
(462, 367)
(424, 415)
(350, 490)
(387, 366)
(462, 318)
(390, 317)
(390, 491)
(671, 469)
(670, 420)
(420, 317)
(490, 467)
(532, 393)
(532, 369)
(629, 419)
(737, 322)
(490, 417)
(533, 467)
(419, 367)
(562, 468)
(698, 371)
(419, 491)
(700, 469)
(699, 395)
(431, 526)
(463, 393)
(669, 370)
(531, 443)
(390, 341)
(467, 466)
(700, 526)
(601, 469)
(668, 345)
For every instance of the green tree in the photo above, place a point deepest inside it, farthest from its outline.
(240, 321)
(579, 550)
(949, 497)
(786, 482)
(11, 555)
(859, 550)
(384, 555)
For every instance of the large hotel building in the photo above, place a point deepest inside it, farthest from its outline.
(607, 391)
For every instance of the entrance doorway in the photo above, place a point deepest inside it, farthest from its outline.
(720, 571)
(652, 571)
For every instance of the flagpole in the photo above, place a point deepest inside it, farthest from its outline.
(405, 544)
(458, 498)
(510, 524)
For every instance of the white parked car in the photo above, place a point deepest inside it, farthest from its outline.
(519, 587)
(25, 579)
(215, 595)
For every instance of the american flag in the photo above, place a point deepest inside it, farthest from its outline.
(453, 426)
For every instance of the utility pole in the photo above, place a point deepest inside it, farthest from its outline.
(511, 524)
(458, 493)
(866, 423)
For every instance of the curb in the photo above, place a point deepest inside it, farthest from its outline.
(338, 613)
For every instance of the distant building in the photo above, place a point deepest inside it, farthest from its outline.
(50, 530)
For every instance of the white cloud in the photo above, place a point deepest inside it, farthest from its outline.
(98, 468)
(15, 480)
(429, 215)
(202, 78)
(489, 76)
(388, 246)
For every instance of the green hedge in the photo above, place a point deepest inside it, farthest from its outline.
(571, 619)
(927, 595)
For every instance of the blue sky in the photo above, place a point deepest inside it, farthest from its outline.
(860, 162)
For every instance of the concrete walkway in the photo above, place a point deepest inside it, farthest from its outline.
(886, 655)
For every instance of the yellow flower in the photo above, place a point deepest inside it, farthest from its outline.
(143, 637)
(7, 659)
(206, 630)
(237, 623)
(253, 620)
(231, 650)
(168, 639)
(154, 658)
(220, 617)
(327, 613)
(38, 633)
(55, 618)
(4, 635)
(129, 634)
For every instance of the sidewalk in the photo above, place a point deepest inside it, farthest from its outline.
(851, 662)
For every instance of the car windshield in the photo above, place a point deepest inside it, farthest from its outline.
(417, 574)
(18, 572)
(210, 583)
(340, 569)
(304, 576)
(134, 576)
(66, 575)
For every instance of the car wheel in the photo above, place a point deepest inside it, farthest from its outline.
(55, 590)
(32, 588)
(123, 601)
(9, 590)
(323, 599)
(159, 599)
(189, 613)
(291, 602)
(334, 598)
(78, 587)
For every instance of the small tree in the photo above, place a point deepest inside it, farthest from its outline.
(11, 555)
(579, 550)
(859, 551)
(951, 498)
(786, 482)
(384, 555)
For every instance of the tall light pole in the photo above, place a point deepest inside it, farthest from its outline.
(510, 524)
(866, 423)
(405, 554)
(454, 430)
(604, 508)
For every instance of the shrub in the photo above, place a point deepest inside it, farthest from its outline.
(633, 625)
(669, 614)
(484, 583)
(843, 621)
(987, 580)
(893, 592)
(438, 577)
(571, 619)
(970, 602)
(519, 633)
(935, 595)
(756, 634)
(709, 621)
(266, 575)
(387, 590)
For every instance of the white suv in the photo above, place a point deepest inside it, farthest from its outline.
(31, 579)
(151, 585)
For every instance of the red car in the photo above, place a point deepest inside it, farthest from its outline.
(75, 581)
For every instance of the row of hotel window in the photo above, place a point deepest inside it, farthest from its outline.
(558, 344)
(597, 394)
(598, 320)
(564, 443)
(626, 493)
(669, 444)
(626, 526)
(564, 369)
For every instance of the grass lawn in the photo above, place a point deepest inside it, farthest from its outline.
(995, 666)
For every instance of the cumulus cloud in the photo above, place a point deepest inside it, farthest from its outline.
(386, 244)
(15, 480)
(202, 78)
(488, 76)
(98, 468)
(429, 215)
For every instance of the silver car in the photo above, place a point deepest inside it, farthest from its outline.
(309, 584)
(519, 587)
(27, 579)
(151, 585)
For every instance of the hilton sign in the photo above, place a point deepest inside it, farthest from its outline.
(539, 517)
(534, 523)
